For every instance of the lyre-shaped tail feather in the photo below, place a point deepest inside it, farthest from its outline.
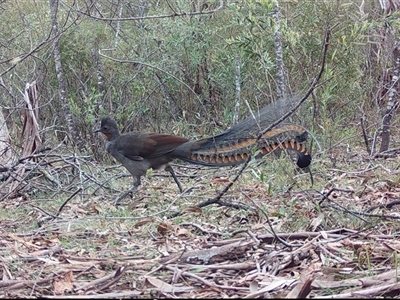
(218, 151)
(235, 145)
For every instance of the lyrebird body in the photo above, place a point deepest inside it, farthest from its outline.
(138, 151)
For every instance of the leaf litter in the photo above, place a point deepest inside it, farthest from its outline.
(337, 239)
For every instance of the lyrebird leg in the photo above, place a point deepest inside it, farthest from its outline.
(136, 183)
(171, 170)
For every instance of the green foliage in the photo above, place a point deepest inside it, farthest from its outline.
(178, 73)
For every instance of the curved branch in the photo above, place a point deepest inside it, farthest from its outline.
(217, 199)
(149, 66)
(183, 14)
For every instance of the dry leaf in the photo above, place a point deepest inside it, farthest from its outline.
(253, 286)
(317, 221)
(274, 285)
(182, 232)
(194, 209)
(95, 209)
(220, 180)
(165, 287)
(63, 283)
(144, 222)
(164, 227)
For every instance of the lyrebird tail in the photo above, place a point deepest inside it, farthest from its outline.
(235, 145)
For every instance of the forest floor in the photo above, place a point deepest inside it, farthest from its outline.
(64, 237)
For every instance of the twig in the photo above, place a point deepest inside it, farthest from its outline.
(365, 135)
(357, 214)
(66, 201)
(53, 217)
(385, 205)
(175, 14)
(206, 282)
(251, 234)
(117, 276)
(203, 230)
(372, 292)
(271, 227)
(217, 199)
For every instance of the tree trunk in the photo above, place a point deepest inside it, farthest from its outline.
(61, 78)
(238, 90)
(389, 7)
(280, 68)
(30, 141)
(392, 102)
(6, 150)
